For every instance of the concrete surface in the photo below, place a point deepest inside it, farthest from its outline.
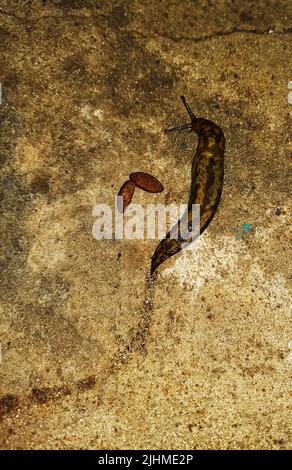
(87, 88)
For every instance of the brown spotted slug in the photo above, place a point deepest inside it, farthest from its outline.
(206, 184)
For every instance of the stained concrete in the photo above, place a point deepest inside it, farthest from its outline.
(87, 88)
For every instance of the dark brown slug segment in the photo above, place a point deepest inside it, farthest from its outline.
(206, 184)
(146, 182)
(126, 191)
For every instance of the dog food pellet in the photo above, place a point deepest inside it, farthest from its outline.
(146, 182)
(126, 191)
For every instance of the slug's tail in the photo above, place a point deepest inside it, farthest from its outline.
(184, 126)
(157, 259)
(154, 265)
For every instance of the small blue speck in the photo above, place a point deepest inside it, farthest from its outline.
(246, 227)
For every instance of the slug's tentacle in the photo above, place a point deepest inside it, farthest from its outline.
(179, 128)
(190, 112)
(206, 186)
(184, 126)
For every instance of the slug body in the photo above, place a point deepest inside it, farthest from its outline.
(206, 186)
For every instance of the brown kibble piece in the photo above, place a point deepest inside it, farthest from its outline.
(126, 191)
(146, 182)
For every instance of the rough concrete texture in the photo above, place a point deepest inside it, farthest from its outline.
(87, 88)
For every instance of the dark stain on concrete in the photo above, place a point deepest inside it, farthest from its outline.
(4, 35)
(118, 18)
(11, 126)
(136, 77)
(10, 82)
(86, 384)
(40, 184)
(74, 69)
(8, 403)
(67, 5)
(15, 197)
(46, 394)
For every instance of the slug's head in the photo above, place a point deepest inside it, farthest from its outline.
(193, 126)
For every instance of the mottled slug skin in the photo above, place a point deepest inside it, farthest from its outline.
(206, 185)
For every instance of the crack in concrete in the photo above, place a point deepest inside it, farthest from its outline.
(219, 34)
(207, 37)
(53, 17)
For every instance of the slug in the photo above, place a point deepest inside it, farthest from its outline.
(206, 185)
